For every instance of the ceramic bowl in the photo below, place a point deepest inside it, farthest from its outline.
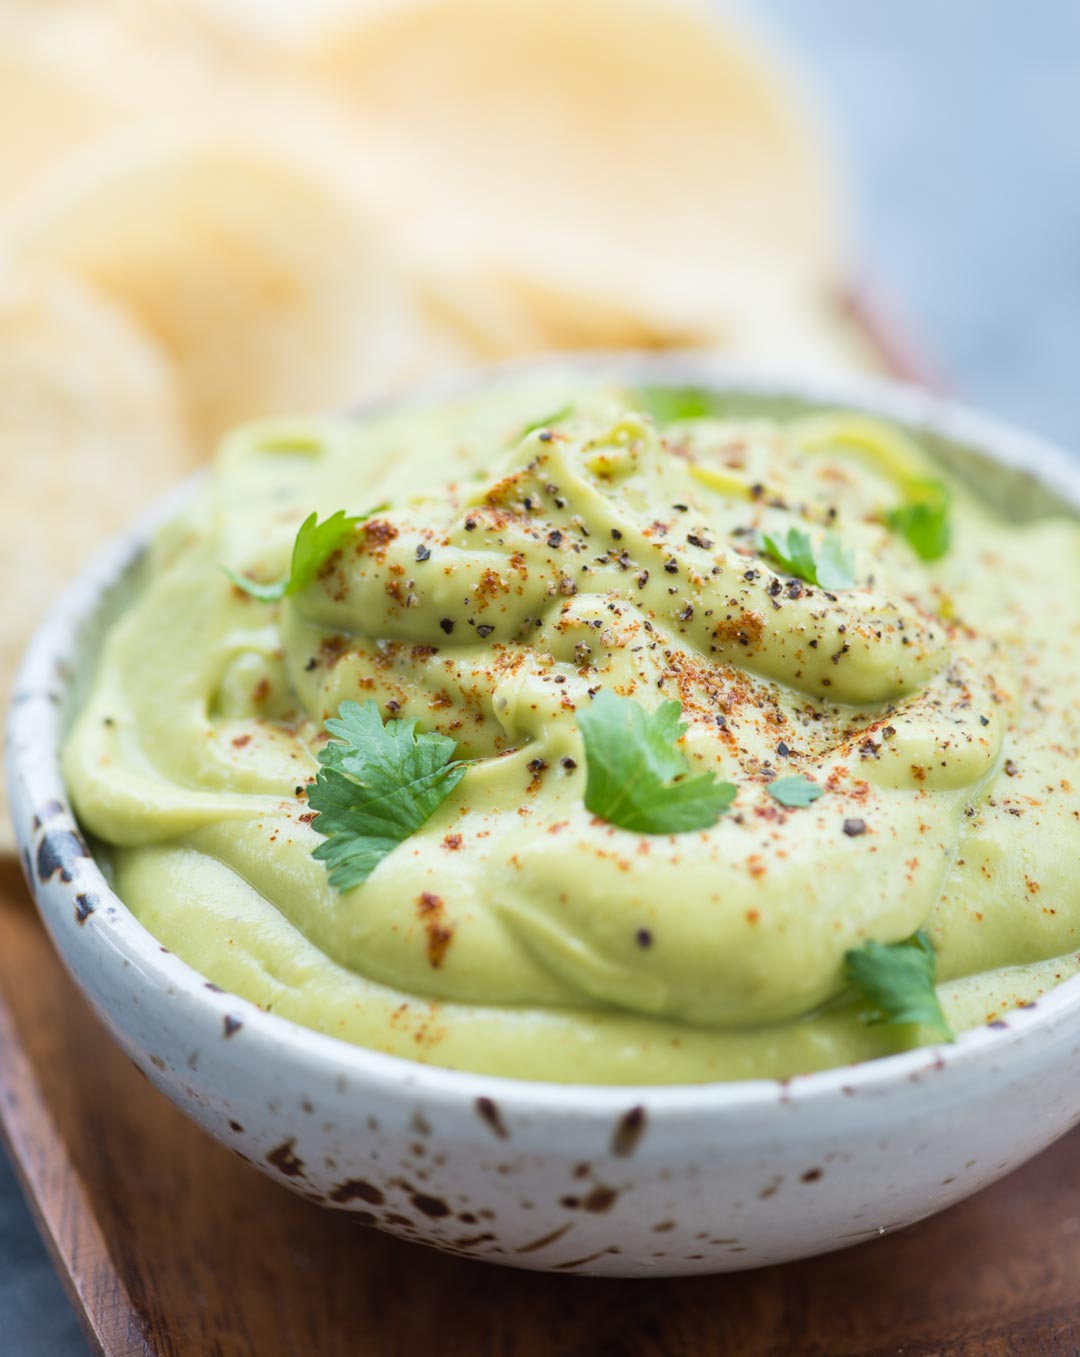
(607, 1180)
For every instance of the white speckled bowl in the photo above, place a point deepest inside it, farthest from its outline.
(620, 1181)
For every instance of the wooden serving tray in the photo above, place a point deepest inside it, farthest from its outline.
(169, 1245)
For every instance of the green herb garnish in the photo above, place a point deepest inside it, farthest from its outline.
(829, 566)
(669, 404)
(923, 520)
(315, 543)
(637, 778)
(377, 784)
(795, 791)
(556, 416)
(898, 979)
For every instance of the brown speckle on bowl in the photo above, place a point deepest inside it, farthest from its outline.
(812, 1175)
(471, 1241)
(47, 812)
(356, 1189)
(434, 1207)
(284, 1159)
(59, 852)
(488, 1110)
(231, 1024)
(581, 1262)
(546, 1239)
(628, 1132)
(85, 904)
(600, 1199)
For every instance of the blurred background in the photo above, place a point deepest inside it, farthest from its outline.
(960, 123)
(399, 192)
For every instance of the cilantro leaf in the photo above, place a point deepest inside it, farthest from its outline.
(923, 520)
(831, 566)
(376, 786)
(795, 791)
(637, 778)
(315, 543)
(898, 979)
(564, 412)
(669, 404)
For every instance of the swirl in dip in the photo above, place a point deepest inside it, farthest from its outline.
(517, 572)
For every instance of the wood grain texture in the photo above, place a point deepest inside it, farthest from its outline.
(172, 1246)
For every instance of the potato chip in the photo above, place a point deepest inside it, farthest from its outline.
(92, 426)
(258, 272)
(622, 171)
(54, 109)
(71, 71)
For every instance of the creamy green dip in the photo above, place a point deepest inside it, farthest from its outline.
(514, 575)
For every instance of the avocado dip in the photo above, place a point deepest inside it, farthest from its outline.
(859, 677)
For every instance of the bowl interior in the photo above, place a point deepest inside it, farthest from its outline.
(1019, 476)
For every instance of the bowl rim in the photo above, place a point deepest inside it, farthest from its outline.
(34, 729)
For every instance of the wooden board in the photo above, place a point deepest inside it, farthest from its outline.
(171, 1245)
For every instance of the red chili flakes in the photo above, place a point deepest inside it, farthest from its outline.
(452, 842)
(378, 534)
(330, 565)
(331, 649)
(489, 586)
(744, 630)
(432, 914)
(240, 740)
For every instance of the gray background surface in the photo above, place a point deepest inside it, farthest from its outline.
(962, 120)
